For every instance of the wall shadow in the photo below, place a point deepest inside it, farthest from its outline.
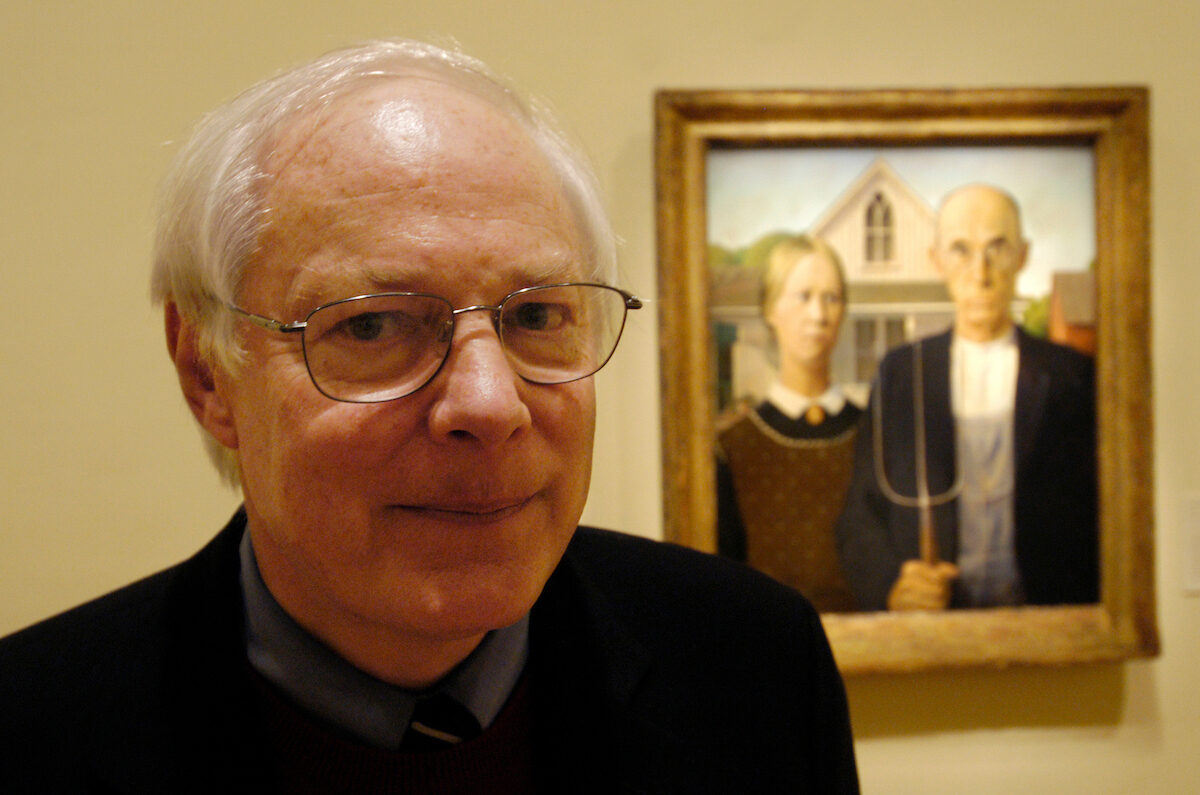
(926, 703)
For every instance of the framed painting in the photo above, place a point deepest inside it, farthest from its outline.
(868, 177)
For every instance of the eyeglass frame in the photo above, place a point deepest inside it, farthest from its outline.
(271, 324)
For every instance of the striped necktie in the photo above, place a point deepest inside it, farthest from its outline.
(439, 722)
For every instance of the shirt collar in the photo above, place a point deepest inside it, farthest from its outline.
(983, 375)
(793, 405)
(1006, 341)
(372, 710)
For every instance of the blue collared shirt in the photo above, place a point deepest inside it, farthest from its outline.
(373, 711)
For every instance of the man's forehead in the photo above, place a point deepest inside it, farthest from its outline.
(415, 115)
(976, 210)
(424, 138)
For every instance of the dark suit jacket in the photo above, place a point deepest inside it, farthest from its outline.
(653, 669)
(1054, 512)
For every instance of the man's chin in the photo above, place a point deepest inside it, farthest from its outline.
(983, 322)
(481, 595)
(473, 613)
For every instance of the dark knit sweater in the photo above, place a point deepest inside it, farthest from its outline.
(309, 756)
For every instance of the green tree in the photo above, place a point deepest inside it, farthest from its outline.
(756, 254)
(1036, 318)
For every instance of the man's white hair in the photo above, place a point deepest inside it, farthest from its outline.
(212, 211)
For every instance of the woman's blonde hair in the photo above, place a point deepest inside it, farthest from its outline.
(783, 258)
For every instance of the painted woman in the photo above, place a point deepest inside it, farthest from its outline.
(783, 465)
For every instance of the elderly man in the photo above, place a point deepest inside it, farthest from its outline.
(992, 429)
(386, 286)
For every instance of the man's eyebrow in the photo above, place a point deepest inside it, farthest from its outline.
(364, 279)
(552, 272)
(347, 283)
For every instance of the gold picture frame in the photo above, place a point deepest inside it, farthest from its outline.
(1110, 121)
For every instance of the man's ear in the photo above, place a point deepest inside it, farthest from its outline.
(1024, 255)
(936, 261)
(207, 401)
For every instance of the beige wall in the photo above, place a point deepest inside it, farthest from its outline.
(102, 475)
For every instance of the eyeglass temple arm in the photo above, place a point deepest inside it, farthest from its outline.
(269, 323)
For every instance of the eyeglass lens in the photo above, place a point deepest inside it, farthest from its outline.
(381, 347)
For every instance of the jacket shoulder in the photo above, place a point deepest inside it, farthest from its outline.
(111, 690)
(100, 628)
(118, 624)
(74, 686)
(652, 582)
(1058, 354)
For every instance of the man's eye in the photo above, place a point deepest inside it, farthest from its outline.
(365, 327)
(378, 326)
(538, 316)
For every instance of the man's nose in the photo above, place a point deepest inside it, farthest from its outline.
(981, 268)
(478, 392)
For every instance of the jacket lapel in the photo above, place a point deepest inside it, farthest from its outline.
(587, 670)
(1033, 389)
(939, 417)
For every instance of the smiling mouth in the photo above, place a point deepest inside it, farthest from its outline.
(470, 512)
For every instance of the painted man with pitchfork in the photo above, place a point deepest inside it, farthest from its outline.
(975, 470)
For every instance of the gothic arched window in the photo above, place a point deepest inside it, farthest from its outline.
(879, 229)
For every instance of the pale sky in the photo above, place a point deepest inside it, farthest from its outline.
(755, 191)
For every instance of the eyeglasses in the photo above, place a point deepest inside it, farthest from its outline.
(384, 346)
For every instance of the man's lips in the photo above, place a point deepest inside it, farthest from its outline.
(491, 511)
